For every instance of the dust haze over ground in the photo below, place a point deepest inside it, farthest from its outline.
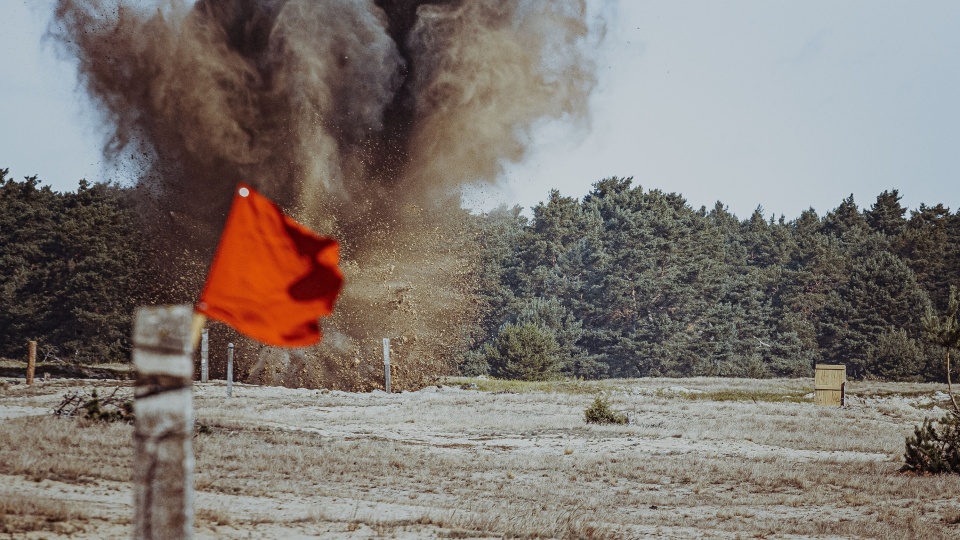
(363, 118)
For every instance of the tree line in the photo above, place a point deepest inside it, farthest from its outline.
(624, 282)
(628, 282)
(71, 270)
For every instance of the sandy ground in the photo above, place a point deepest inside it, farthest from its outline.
(447, 462)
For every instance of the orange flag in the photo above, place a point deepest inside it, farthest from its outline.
(271, 277)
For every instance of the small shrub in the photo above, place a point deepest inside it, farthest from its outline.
(112, 408)
(474, 364)
(932, 449)
(601, 413)
(119, 411)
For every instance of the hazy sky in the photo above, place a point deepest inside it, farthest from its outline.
(784, 104)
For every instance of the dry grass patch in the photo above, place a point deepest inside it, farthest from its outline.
(22, 514)
(561, 386)
(750, 395)
(468, 464)
(68, 450)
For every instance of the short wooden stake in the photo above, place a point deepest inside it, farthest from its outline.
(204, 355)
(386, 364)
(163, 430)
(230, 370)
(31, 360)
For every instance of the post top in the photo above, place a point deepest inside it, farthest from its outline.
(163, 329)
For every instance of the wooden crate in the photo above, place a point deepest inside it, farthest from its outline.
(829, 383)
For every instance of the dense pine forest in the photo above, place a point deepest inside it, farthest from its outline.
(71, 270)
(630, 282)
(624, 282)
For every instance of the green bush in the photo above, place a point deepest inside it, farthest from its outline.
(474, 364)
(525, 351)
(933, 450)
(896, 356)
(112, 410)
(601, 413)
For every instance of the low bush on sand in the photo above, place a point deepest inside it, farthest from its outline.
(600, 412)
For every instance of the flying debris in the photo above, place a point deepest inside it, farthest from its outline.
(361, 118)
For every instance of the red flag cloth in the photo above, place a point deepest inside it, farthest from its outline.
(271, 278)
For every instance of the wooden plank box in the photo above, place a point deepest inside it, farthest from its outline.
(829, 383)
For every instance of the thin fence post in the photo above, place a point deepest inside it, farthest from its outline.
(31, 360)
(230, 370)
(386, 364)
(204, 355)
(163, 429)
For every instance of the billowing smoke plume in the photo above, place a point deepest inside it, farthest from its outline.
(361, 117)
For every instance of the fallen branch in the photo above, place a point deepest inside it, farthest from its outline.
(92, 407)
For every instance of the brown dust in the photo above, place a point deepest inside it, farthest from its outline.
(362, 118)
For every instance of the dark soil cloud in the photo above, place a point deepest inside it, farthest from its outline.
(362, 118)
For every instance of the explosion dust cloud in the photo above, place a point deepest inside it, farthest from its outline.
(363, 118)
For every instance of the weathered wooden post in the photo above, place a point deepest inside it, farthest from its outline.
(204, 355)
(386, 364)
(163, 430)
(31, 360)
(229, 369)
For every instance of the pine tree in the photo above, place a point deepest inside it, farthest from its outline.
(663, 271)
(29, 246)
(897, 356)
(817, 266)
(524, 351)
(944, 331)
(925, 246)
(494, 271)
(880, 296)
(886, 216)
(844, 218)
(101, 256)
